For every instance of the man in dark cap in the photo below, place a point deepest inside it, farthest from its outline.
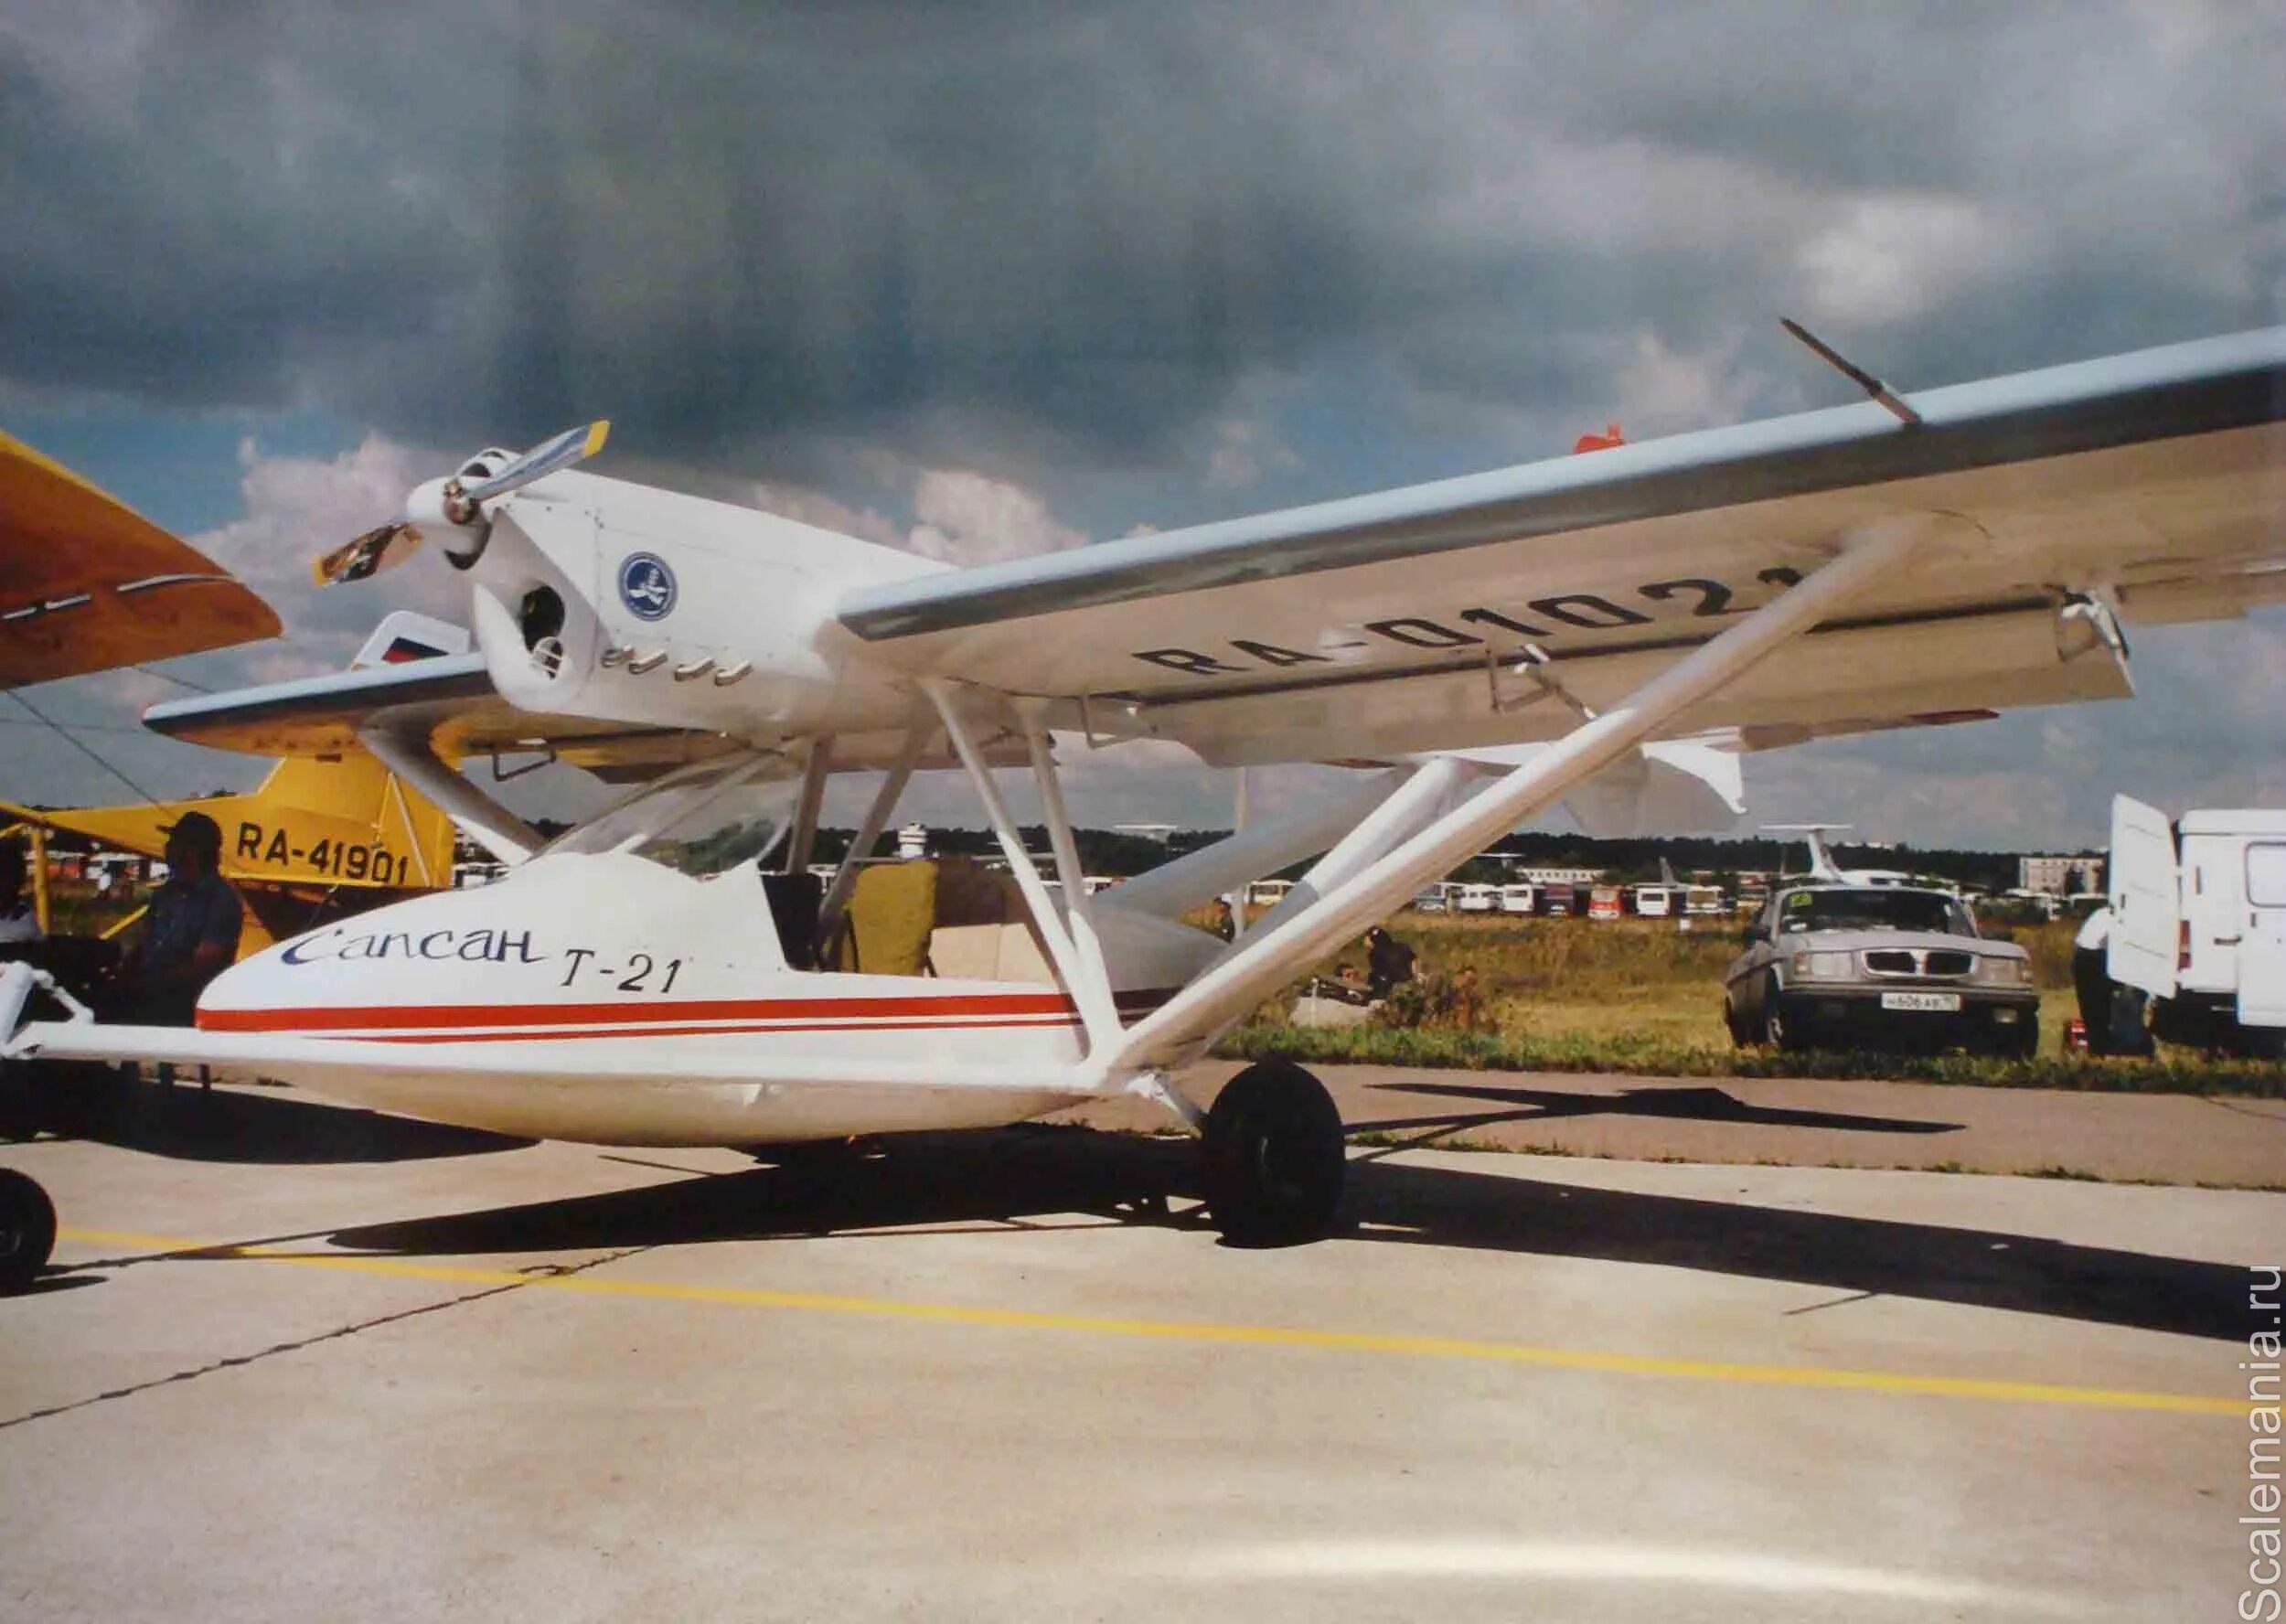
(190, 936)
(1388, 962)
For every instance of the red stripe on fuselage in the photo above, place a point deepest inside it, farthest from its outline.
(554, 1034)
(452, 1020)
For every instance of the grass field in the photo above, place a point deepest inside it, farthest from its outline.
(1643, 996)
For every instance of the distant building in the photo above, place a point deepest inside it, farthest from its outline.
(1557, 876)
(1148, 831)
(2060, 876)
(913, 842)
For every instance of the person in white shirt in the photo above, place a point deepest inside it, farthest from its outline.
(18, 921)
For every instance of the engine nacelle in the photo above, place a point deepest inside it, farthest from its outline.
(599, 598)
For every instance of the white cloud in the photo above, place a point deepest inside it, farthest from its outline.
(1890, 258)
(297, 508)
(1662, 390)
(968, 518)
(1537, 185)
(1244, 452)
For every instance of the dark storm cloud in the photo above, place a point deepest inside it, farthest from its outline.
(1073, 231)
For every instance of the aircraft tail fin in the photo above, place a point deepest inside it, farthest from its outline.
(405, 635)
(1822, 864)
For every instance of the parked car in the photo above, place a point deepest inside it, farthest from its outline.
(1890, 967)
(1478, 898)
(1431, 901)
(1520, 898)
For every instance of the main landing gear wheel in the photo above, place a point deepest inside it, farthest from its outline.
(1272, 1158)
(28, 1230)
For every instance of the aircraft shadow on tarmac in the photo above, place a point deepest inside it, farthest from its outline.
(189, 1124)
(1014, 1176)
(1697, 1105)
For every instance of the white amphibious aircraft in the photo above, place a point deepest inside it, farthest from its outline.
(666, 974)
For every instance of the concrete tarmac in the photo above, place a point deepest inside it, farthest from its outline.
(310, 1362)
(2160, 1139)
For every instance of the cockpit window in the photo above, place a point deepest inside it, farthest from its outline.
(703, 819)
(1858, 908)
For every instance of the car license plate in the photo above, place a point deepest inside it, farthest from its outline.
(1943, 1002)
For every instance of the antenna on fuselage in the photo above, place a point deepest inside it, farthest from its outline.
(1821, 863)
(1864, 379)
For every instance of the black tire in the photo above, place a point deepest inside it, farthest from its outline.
(28, 1230)
(1273, 1160)
(1777, 1031)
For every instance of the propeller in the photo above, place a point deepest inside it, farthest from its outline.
(459, 503)
(383, 546)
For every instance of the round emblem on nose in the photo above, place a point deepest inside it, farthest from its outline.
(646, 586)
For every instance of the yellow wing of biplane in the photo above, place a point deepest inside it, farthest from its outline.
(88, 585)
(312, 822)
(330, 820)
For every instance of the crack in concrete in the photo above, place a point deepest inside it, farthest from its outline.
(539, 1273)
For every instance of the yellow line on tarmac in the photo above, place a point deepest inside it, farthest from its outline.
(1266, 1336)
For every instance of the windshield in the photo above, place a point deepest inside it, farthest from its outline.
(1864, 909)
(701, 821)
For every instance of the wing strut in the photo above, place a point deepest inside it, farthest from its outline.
(885, 799)
(1091, 992)
(1079, 918)
(816, 767)
(491, 825)
(1269, 957)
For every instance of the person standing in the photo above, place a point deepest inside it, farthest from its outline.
(2110, 1014)
(1388, 962)
(19, 924)
(190, 936)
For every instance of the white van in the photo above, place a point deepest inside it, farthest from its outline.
(1520, 898)
(2198, 920)
(1478, 898)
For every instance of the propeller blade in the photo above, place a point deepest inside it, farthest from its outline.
(384, 547)
(573, 445)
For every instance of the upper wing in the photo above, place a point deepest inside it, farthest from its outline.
(1397, 622)
(88, 585)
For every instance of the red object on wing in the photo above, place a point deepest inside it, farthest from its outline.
(1603, 441)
